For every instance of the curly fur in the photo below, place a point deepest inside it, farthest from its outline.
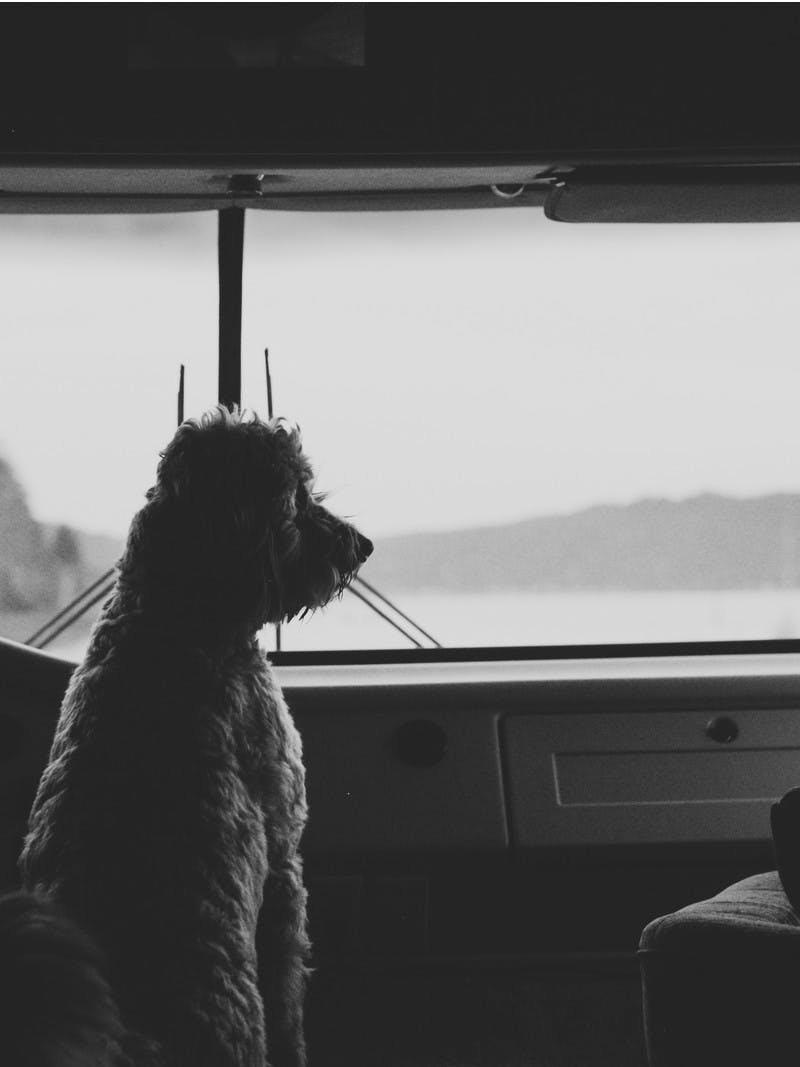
(167, 822)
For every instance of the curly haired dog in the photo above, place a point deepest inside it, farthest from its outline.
(167, 822)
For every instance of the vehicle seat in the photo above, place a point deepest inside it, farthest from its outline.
(721, 980)
(32, 685)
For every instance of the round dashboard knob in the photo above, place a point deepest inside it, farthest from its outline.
(420, 743)
(722, 729)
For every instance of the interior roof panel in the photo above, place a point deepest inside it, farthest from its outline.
(432, 78)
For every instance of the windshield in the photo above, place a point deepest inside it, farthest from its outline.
(553, 434)
(98, 314)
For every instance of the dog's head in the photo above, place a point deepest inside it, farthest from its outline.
(233, 525)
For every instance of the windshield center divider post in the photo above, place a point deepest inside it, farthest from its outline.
(230, 247)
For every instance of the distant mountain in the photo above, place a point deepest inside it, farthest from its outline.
(706, 542)
(28, 572)
(42, 565)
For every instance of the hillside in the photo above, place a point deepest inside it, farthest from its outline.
(28, 570)
(706, 542)
(43, 565)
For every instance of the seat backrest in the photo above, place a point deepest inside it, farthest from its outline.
(32, 686)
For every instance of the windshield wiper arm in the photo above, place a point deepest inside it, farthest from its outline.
(394, 607)
(79, 605)
(384, 616)
(45, 634)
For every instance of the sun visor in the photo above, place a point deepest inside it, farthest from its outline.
(702, 194)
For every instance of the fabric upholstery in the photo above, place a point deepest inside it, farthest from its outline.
(753, 915)
(721, 978)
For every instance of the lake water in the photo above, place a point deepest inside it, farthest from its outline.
(557, 619)
(542, 619)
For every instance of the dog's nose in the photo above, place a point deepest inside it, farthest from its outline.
(365, 547)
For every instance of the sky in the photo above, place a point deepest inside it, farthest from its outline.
(447, 369)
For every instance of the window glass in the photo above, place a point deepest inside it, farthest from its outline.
(554, 434)
(98, 314)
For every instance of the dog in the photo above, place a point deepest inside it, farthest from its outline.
(166, 825)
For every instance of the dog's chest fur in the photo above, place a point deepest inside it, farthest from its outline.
(170, 770)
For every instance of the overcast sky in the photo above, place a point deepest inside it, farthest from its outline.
(446, 369)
